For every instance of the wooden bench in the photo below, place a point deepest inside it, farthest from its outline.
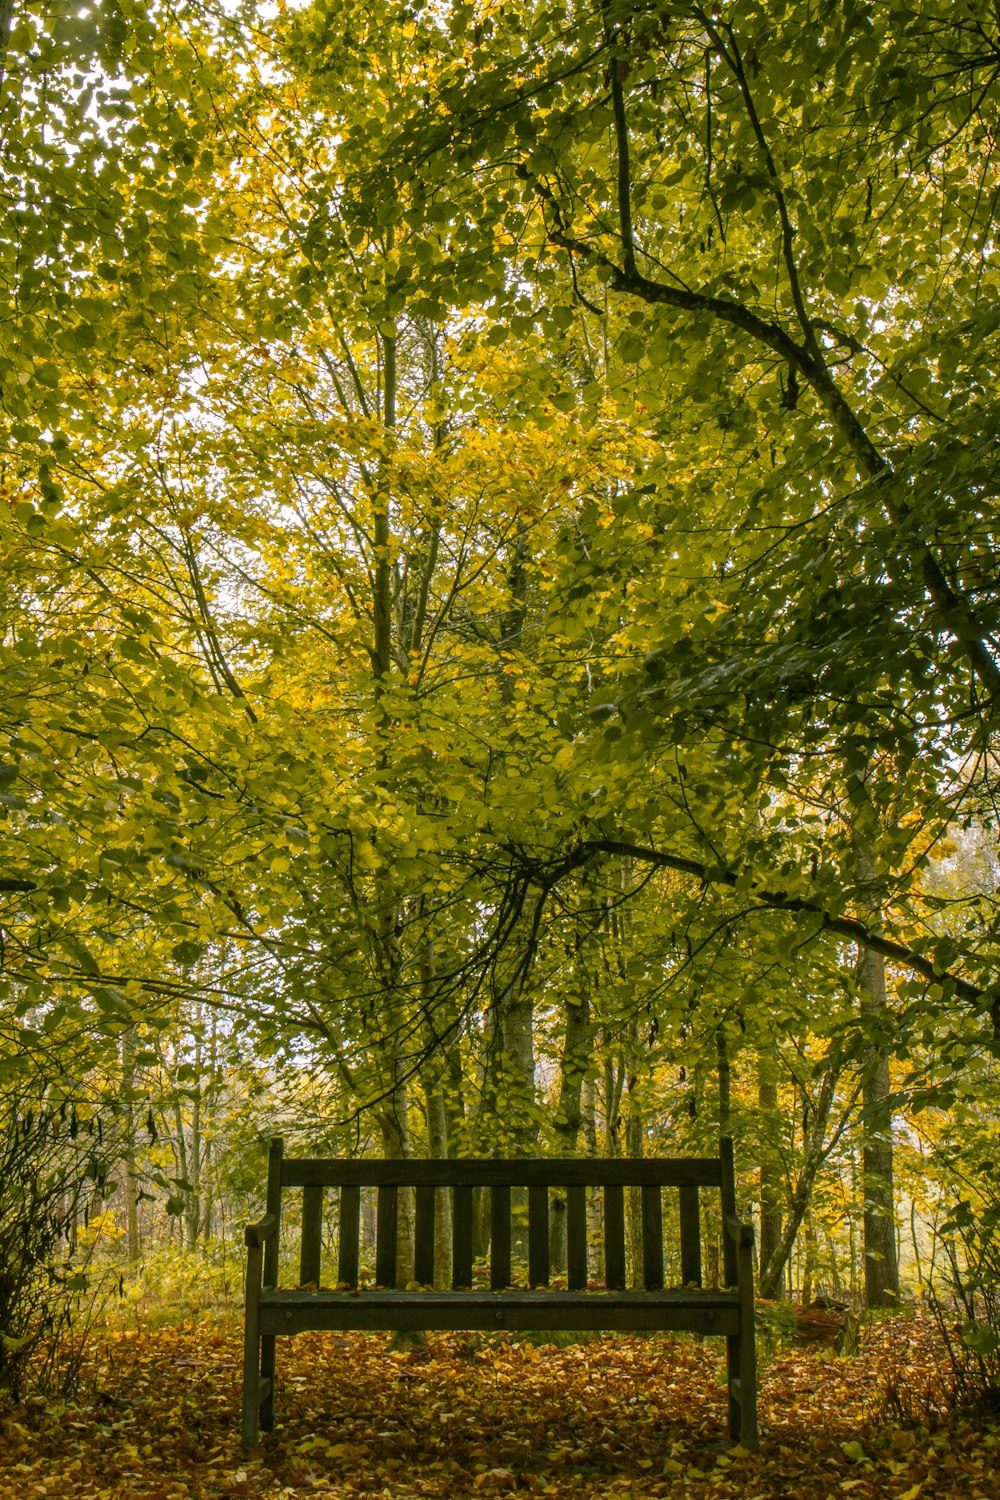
(690, 1307)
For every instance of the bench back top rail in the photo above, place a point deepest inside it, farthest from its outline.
(487, 1172)
(569, 1176)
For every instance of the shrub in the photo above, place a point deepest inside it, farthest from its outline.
(46, 1160)
(966, 1301)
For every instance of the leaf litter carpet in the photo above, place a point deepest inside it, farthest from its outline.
(157, 1419)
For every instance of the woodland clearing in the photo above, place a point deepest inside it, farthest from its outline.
(617, 1416)
(499, 657)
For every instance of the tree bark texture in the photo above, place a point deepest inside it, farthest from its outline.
(770, 1171)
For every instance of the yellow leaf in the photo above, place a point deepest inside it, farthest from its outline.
(366, 856)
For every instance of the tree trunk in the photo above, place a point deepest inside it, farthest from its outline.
(192, 1217)
(634, 1143)
(573, 1067)
(517, 1072)
(772, 1271)
(133, 1248)
(181, 1155)
(880, 1253)
(433, 1076)
(595, 1243)
(437, 1146)
(517, 1100)
(725, 1080)
(808, 1258)
(770, 1170)
(614, 1084)
(480, 1126)
(394, 1124)
(208, 1184)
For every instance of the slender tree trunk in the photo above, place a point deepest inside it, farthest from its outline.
(517, 1099)
(394, 1124)
(482, 1124)
(192, 1217)
(208, 1185)
(634, 1146)
(437, 1146)
(808, 1258)
(770, 1169)
(394, 1112)
(133, 1248)
(595, 1244)
(183, 1159)
(133, 1243)
(573, 1067)
(725, 1081)
(574, 1063)
(880, 1249)
(814, 1153)
(518, 1071)
(880, 1252)
(433, 1077)
(836, 1284)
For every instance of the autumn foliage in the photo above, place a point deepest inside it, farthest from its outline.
(622, 1416)
(500, 653)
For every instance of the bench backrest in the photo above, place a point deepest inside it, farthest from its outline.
(570, 1177)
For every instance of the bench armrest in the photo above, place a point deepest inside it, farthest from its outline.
(255, 1234)
(739, 1230)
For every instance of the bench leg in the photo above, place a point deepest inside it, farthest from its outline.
(733, 1342)
(748, 1391)
(258, 1359)
(251, 1375)
(267, 1344)
(741, 1382)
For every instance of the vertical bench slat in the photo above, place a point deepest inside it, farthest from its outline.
(423, 1235)
(499, 1237)
(275, 1156)
(727, 1202)
(576, 1238)
(614, 1236)
(690, 1236)
(538, 1235)
(652, 1239)
(350, 1236)
(311, 1253)
(461, 1236)
(386, 1220)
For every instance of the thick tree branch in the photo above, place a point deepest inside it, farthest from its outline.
(954, 613)
(766, 898)
(733, 59)
(615, 67)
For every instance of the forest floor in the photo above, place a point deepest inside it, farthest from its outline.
(157, 1419)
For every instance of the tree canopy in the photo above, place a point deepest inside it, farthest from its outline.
(499, 548)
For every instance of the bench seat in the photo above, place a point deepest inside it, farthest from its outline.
(688, 1310)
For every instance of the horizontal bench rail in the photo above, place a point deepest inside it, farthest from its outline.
(486, 1172)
